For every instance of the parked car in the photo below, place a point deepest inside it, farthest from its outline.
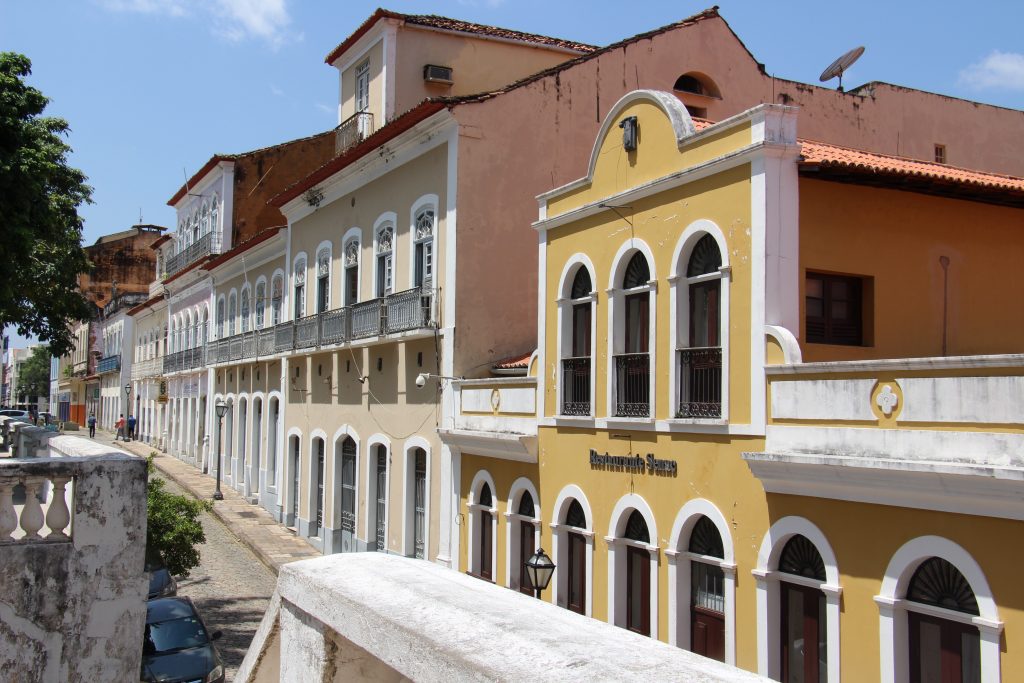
(177, 647)
(161, 583)
(20, 414)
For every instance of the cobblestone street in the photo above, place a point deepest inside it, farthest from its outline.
(231, 588)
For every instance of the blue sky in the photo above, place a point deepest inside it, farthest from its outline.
(153, 88)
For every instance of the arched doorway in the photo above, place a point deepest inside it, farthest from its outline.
(707, 591)
(638, 575)
(802, 625)
(941, 648)
(345, 483)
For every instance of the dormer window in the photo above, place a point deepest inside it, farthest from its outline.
(363, 86)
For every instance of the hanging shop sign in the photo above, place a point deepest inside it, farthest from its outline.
(632, 463)
(161, 396)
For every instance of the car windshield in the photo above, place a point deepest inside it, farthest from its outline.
(173, 634)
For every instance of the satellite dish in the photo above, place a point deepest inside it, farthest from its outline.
(837, 67)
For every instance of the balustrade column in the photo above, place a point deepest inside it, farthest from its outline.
(58, 516)
(32, 513)
(8, 519)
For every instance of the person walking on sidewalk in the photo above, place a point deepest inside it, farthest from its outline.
(131, 428)
(92, 425)
(119, 426)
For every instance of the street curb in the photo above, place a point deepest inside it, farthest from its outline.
(228, 524)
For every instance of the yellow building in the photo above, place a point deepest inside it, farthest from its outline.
(753, 436)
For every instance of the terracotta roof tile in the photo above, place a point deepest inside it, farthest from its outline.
(514, 363)
(834, 156)
(457, 25)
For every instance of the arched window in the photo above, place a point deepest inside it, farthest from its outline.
(576, 558)
(204, 329)
(261, 304)
(942, 648)
(232, 311)
(346, 454)
(245, 310)
(707, 591)
(522, 539)
(300, 288)
(700, 352)
(205, 221)
(638, 576)
(423, 249)
(214, 213)
(576, 364)
(323, 279)
(196, 220)
(276, 297)
(351, 257)
(486, 537)
(632, 364)
(385, 261)
(220, 318)
(802, 612)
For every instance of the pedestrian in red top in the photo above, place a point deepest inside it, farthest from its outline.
(119, 425)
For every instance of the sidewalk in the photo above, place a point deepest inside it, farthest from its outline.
(255, 527)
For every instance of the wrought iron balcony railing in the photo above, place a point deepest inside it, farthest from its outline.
(141, 369)
(700, 382)
(187, 359)
(400, 312)
(353, 130)
(125, 300)
(201, 248)
(108, 364)
(632, 385)
(576, 386)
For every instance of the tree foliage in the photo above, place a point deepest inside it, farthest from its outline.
(39, 199)
(173, 527)
(34, 374)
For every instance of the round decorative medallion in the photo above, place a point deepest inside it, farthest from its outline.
(495, 400)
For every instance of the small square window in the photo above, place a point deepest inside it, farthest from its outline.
(833, 309)
(940, 154)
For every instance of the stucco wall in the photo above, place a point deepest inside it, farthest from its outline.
(74, 611)
(897, 238)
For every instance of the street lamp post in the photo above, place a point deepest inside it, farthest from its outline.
(127, 408)
(222, 410)
(540, 568)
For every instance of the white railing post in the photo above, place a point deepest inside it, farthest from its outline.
(58, 516)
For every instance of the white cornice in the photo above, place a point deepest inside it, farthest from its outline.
(988, 491)
(418, 140)
(505, 446)
(1006, 360)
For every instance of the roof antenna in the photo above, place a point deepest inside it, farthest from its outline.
(837, 67)
(140, 215)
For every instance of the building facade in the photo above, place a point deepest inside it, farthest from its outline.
(713, 467)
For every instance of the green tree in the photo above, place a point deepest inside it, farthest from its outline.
(39, 199)
(173, 528)
(34, 374)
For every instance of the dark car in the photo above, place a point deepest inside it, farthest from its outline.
(176, 647)
(161, 583)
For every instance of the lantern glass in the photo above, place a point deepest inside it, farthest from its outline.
(222, 409)
(540, 568)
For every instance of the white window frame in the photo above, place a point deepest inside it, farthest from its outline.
(679, 570)
(324, 249)
(299, 279)
(679, 311)
(768, 577)
(260, 299)
(560, 547)
(386, 258)
(893, 606)
(565, 304)
(409, 497)
(352, 236)
(232, 312)
(617, 328)
(277, 310)
(245, 309)
(475, 511)
(617, 545)
(361, 94)
(428, 202)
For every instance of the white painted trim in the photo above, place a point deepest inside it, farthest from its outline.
(278, 272)
(512, 545)
(560, 546)
(679, 309)
(1007, 360)
(616, 329)
(451, 458)
(426, 201)
(332, 459)
(791, 352)
(679, 596)
(893, 606)
(767, 577)
(385, 220)
(373, 440)
(408, 497)
(329, 246)
(473, 519)
(301, 256)
(617, 560)
(564, 328)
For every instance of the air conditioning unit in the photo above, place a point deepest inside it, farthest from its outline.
(437, 74)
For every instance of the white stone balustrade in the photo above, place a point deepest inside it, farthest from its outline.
(27, 513)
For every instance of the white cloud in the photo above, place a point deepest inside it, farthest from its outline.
(233, 20)
(999, 70)
(275, 91)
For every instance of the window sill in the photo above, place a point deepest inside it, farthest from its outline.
(574, 420)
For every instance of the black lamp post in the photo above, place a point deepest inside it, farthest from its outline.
(222, 410)
(540, 568)
(127, 408)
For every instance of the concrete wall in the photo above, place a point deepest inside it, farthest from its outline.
(73, 609)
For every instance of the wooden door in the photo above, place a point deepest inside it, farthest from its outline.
(577, 574)
(486, 545)
(707, 610)
(638, 590)
(803, 642)
(527, 548)
(943, 651)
